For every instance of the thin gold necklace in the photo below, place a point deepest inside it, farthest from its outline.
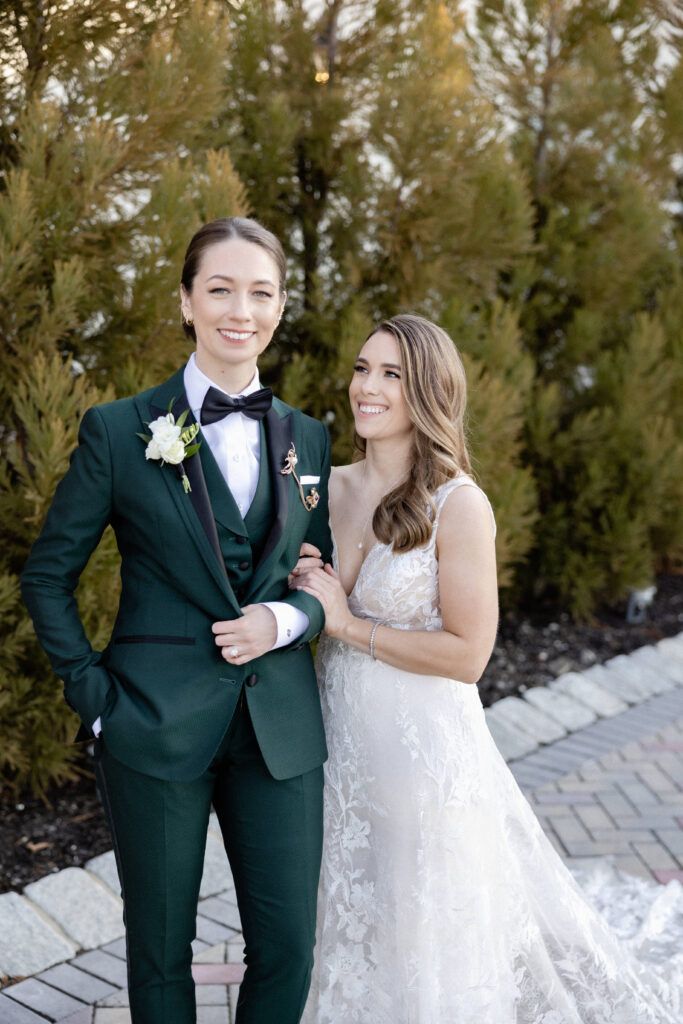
(374, 507)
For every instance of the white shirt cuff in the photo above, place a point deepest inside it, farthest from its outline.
(291, 622)
(97, 726)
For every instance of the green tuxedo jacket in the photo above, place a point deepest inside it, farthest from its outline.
(164, 693)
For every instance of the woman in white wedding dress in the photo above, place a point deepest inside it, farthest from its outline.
(441, 901)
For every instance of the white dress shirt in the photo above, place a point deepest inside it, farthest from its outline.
(235, 443)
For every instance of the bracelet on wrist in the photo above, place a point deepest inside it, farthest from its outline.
(373, 633)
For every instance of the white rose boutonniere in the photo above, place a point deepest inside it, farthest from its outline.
(169, 442)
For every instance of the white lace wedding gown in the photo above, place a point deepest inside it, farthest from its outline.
(441, 900)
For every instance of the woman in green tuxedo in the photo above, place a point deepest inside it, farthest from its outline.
(206, 693)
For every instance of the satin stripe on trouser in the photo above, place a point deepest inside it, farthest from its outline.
(273, 836)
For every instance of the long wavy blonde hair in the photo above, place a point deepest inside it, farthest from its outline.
(435, 390)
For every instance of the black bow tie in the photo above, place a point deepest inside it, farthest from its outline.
(217, 405)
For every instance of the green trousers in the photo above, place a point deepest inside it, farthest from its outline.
(272, 832)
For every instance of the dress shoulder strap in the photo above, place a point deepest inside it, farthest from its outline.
(463, 480)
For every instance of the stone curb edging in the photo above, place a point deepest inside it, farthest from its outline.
(521, 726)
(79, 909)
(92, 988)
(563, 759)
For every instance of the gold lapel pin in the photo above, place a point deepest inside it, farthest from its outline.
(310, 500)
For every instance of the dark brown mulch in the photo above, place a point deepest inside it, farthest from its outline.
(532, 651)
(36, 840)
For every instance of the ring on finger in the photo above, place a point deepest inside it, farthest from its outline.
(233, 652)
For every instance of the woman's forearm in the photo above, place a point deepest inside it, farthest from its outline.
(427, 652)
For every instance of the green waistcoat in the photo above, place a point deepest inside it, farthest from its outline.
(242, 551)
(242, 546)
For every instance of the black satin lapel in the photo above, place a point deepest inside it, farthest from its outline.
(279, 439)
(199, 495)
(223, 504)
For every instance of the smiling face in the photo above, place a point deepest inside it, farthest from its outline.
(235, 302)
(376, 394)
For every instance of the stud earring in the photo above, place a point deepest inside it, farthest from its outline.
(188, 320)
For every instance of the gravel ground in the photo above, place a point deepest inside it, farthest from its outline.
(36, 839)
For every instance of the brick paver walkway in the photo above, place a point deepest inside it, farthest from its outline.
(91, 988)
(614, 788)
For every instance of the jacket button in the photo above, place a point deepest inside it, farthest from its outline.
(241, 540)
(243, 565)
(251, 680)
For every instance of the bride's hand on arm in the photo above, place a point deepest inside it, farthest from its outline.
(324, 585)
(309, 558)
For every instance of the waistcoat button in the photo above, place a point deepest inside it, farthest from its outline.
(251, 680)
(243, 565)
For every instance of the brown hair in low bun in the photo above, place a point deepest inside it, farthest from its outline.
(435, 390)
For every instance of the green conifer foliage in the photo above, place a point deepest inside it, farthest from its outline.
(36, 725)
(500, 376)
(591, 100)
(450, 208)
